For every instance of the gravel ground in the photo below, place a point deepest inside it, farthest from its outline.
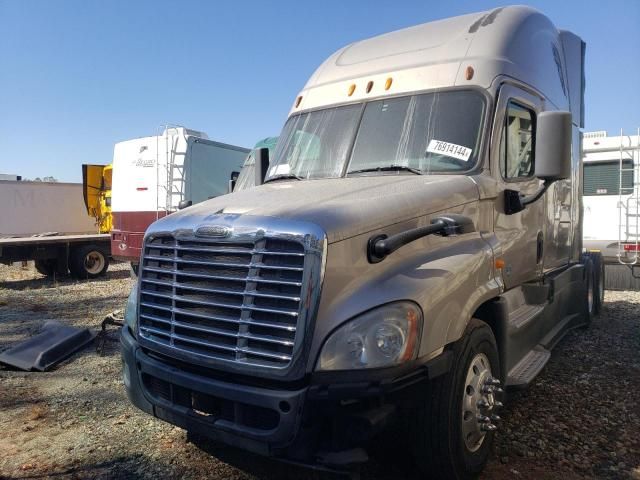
(580, 418)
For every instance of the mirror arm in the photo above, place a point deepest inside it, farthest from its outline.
(526, 200)
(515, 202)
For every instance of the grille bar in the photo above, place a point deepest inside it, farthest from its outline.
(226, 250)
(222, 264)
(258, 353)
(235, 301)
(217, 290)
(257, 323)
(215, 277)
(179, 298)
(223, 333)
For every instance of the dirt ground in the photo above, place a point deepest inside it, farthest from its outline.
(580, 418)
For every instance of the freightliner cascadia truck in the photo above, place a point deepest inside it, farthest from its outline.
(413, 250)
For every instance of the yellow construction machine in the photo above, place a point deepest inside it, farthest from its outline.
(96, 180)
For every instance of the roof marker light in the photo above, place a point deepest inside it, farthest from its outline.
(387, 84)
(469, 72)
(369, 86)
(298, 100)
(352, 88)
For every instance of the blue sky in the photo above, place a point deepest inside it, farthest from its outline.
(76, 76)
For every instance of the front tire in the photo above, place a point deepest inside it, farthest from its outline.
(453, 429)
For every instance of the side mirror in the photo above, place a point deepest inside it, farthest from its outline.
(553, 146)
(184, 204)
(552, 158)
(261, 165)
(232, 180)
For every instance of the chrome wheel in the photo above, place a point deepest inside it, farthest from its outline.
(94, 262)
(479, 402)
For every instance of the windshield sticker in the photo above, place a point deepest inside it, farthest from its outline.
(449, 150)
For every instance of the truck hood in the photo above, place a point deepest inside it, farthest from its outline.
(343, 207)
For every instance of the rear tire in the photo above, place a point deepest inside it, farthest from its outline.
(590, 294)
(46, 267)
(598, 281)
(445, 431)
(88, 261)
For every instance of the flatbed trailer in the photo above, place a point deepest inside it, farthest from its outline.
(47, 222)
(83, 255)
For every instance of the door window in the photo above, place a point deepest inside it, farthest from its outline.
(517, 143)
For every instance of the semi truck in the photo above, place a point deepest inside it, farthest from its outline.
(47, 222)
(247, 175)
(157, 175)
(413, 250)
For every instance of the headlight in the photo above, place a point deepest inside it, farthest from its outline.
(131, 310)
(383, 337)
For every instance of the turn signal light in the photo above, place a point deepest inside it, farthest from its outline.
(469, 73)
(352, 89)
(387, 84)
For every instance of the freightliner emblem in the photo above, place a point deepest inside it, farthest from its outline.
(217, 231)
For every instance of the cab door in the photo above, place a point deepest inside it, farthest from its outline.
(520, 235)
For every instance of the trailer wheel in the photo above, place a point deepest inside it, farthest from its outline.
(452, 430)
(46, 267)
(88, 261)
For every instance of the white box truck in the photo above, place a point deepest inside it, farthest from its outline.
(48, 223)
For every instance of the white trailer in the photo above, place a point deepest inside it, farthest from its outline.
(48, 223)
(155, 176)
(611, 192)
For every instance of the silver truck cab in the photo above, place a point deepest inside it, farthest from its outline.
(415, 248)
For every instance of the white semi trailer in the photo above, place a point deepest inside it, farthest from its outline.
(155, 176)
(48, 223)
(611, 192)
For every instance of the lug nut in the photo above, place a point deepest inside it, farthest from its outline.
(498, 404)
(483, 419)
(492, 381)
(489, 427)
(495, 418)
(483, 403)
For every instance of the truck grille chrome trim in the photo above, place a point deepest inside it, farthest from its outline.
(245, 300)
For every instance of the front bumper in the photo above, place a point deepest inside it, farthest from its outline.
(311, 422)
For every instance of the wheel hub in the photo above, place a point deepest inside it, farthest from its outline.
(94, 262)
(479, 402)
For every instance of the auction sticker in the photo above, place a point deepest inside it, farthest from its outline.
(449, 150)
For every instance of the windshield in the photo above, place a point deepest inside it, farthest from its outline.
(426, 133)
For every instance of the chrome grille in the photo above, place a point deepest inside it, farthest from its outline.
(235, 301)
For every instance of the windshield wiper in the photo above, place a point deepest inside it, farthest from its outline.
(388, 168)
(284, 176)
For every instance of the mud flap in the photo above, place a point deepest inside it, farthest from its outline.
(52, 345)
